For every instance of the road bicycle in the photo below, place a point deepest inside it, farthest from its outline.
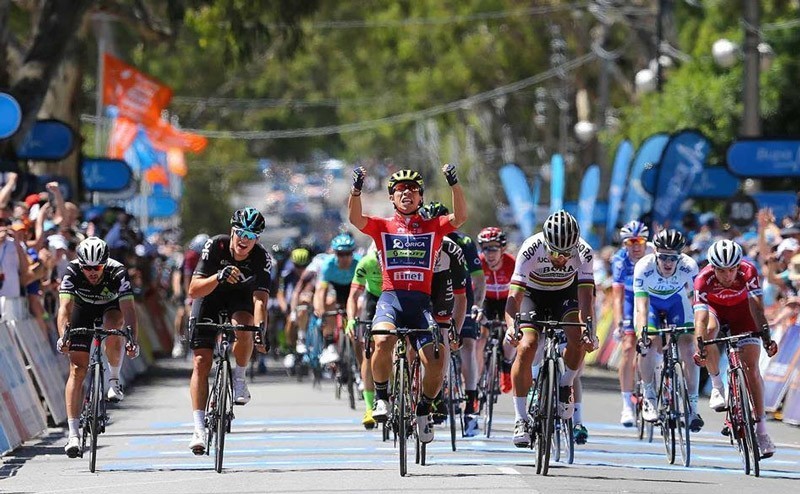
(740, 424)
(453, 387)
(219, 407)
(674, 411)
(346, 369)
(548, 428)
(406, 388)
(94, 417)
(489, 382)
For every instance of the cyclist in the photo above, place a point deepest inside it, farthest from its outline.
(368, 278)
(337, 272)
(290, 277)
(498, 267)
(303, 299)
(452, 293)
(634, 236)
(233, 275)
(662, 284)
(553, 272)
(407, 245)
(93, 287)
(727, 292)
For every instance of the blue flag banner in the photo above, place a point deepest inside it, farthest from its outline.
(619, 175)
(556, 183)
(764, 158)
(537, 191)
(590, 185)
(682, 161)
(782, 203)
(714, 182)
(637, 200)
(599, 212)
(145, 152)
(519, 197)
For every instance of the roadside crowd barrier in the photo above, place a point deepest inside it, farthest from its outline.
(33, 374)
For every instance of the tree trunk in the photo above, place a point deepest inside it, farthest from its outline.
(5, 11)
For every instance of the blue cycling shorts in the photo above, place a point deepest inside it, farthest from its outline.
(676, 307)
(404, 309)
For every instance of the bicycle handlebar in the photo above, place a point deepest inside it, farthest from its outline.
(98, 331)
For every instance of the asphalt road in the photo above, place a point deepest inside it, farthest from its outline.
(292, 438)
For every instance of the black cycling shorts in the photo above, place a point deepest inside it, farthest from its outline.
(550, 304)
(494, 309)
(84, 316)
(208, 308)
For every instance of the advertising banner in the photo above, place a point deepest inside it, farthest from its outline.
(682, 161)
(764, 158)
(520, 199)
(48, 140)
(137, 96)
(637, 200)
(781, 369)
(619, 176)
(105, 175)
(556, 183)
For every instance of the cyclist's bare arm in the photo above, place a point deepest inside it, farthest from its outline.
(586, 302)
(200, 286)
(641, 306)
(260, 315)
(513, 302)
(459, 215)
(479, 287)
(128, 309)
(617, 295)
(757, 310)
(319, 297)
(352, 301)
(354, 212)
(460, 309)
(66, 304)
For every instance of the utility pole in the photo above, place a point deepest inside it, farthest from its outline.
(751, 119)
(659, 41)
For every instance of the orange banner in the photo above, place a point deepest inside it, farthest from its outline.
(176, 163)
(138, 96)
(123, 132)
(164, 136)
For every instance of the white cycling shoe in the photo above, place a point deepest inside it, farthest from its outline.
(717, 400)
(381, 411)
(241, 395)
(115, 394)
(198, 442)
(73, 447)
(627, 417)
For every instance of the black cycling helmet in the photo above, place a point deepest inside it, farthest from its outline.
(670, 239)
(248, 219)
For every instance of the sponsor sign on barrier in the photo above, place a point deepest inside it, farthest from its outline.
(45, 365)
(791, 405)
(781, 368)
(22, 414)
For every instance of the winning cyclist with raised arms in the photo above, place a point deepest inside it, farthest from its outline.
(407, 246)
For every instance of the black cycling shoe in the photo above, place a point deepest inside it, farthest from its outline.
(696, 424)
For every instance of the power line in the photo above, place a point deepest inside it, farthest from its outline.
(391, 120)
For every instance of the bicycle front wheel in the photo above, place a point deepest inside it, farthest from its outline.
(224, 395)
(492, 388)
(545, 429)
(748, 423)
(736, 417)
(682, 413)
(94, 418)
(665, 415)
(403, 414)
(349, 363)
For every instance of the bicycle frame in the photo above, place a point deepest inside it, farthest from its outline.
(740, 409)
(93, 414)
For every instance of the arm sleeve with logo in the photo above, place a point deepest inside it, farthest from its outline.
(209, 259)
(263, 271)
(586, 270)
(618, 269)
(458, 271)
(639, 269)
(120, 277)
(525, 256)
(700, 292)
(752, 282)
(67, 286)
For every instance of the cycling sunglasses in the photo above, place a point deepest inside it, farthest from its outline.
(344, 253)
(555, 254)
(668, 257)
(635, 241)
(92, 268)
(406, 186)
(490, 249)
(242, 233)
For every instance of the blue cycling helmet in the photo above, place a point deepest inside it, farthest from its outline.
(344, 242)
(634, 229)
(248, 219)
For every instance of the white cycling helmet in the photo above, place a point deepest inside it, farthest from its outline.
(724, 254)
(561, 231)
(92, 252)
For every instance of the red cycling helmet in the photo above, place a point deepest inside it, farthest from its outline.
(492, 234)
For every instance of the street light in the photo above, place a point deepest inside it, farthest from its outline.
(645, 81)
(585, 131)
(725, 53)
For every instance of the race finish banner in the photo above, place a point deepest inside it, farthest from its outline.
(764, 158)
(781, 369)
(682, 161)
(637, 200)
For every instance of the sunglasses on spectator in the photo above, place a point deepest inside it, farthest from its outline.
(668, 257)
(92, 268)
(242, 233)
(402, 187)
(635, 241)
(555, 254)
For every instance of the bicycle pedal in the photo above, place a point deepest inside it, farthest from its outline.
(726, 431)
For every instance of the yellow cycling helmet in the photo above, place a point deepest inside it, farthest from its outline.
(405, 176)
(300, 257)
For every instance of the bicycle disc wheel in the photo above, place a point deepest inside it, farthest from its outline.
(748, 424)
(492, 385)
(222, 416)
(402, 418)
(94, 418)
(683, 413)
(664, 407)
(546, 427)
